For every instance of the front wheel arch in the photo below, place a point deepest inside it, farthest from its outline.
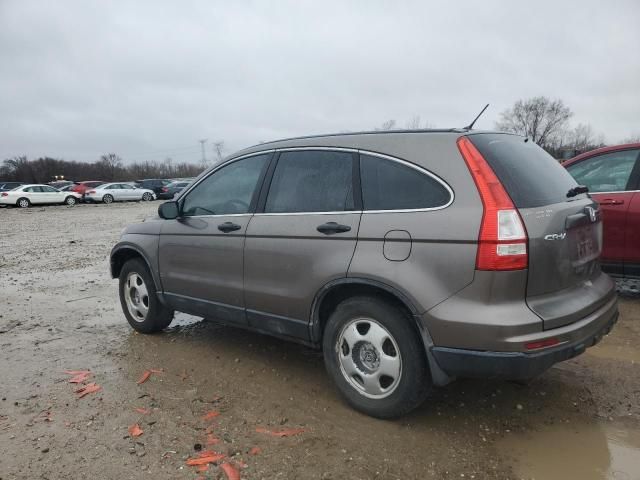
(120, 256)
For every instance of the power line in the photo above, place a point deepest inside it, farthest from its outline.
(204, 158)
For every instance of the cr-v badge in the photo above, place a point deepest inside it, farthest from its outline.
(555, 236)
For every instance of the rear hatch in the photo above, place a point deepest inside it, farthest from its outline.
(564, 281)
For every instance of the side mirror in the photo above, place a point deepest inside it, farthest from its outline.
(169, 210)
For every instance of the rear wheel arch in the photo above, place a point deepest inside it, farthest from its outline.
(335, 292)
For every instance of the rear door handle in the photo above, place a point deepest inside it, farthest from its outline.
(227, 227)
(330, 228)
(611, 201)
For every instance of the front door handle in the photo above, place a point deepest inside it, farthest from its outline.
(330, 228)
(227, 227)
(611, 201)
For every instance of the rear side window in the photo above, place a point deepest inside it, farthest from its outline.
(391, 185)
(311, 181)
(609, 172)
(531, 176)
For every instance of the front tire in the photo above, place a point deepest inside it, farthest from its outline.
(376, 358)
(23, 203)
(144, 312)
(71, 201)
(107, 198)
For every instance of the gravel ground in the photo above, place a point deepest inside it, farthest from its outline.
(59, 311)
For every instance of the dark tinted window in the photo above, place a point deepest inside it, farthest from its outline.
(609, 172)
(531, 176)
(389, 185)
(226, 191)
(311, 181)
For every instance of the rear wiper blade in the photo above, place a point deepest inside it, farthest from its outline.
(577, 191)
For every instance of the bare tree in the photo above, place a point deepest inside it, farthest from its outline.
(415, 123)
(388, 125)
(635, 138)
(109, 166)
(539, 118)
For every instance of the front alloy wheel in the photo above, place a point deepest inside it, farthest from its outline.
(136, 297)
(141, 306)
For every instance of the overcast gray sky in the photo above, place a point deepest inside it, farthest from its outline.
(148, 79)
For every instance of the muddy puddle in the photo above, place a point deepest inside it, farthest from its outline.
(567, 451)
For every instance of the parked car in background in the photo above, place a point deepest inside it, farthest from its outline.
(82, 187)
(409, 257)
(67, 188)
(154, 184)
(118, 192)
(35, 194)
(172, 189)
(9, 186)
(61, 184)
(612, 175)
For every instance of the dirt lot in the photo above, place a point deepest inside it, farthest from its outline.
(59, 311)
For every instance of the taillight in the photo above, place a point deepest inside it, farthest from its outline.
(165, 189)
(91, 191)
(5, 194)
(502, 243)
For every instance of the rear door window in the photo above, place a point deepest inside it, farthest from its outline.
(531, 176)
(609, 172)
(311, 181)
(392, 185)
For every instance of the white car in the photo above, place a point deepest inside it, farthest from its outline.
(34, 194)
(115, 192)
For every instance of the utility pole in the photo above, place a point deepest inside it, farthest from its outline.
(204, 158)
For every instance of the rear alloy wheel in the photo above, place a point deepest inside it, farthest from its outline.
(376, 357)
(144, 312)
(107, 198)
(147, 197)
(23, 203)
(71, 201)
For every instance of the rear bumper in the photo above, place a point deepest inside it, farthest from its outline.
(577, 338)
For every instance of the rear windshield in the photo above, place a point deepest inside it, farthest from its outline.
(530, 175)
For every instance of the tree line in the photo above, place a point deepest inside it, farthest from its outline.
(543, 120)
(108, 167)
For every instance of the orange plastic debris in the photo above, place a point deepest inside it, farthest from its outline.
(255, 451)
(289, 432)
(211, 415)
(87, 389)
(78, 376)
(143, 411)
(194, 462)
(145, 376)
(147, 373)
(230, 471)
(135, 430)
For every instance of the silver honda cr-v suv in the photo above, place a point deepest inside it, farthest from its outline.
(410, 258)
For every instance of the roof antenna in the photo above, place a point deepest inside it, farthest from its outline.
(470, 126)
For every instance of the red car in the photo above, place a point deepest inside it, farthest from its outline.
(82, 187)
(613, 177)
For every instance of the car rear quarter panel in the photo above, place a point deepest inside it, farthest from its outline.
(443, 242)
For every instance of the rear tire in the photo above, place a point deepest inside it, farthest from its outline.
(107, 199)
(71, 201)
(376, 358)
(23, 203)
(140, 304)
(147, 197)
